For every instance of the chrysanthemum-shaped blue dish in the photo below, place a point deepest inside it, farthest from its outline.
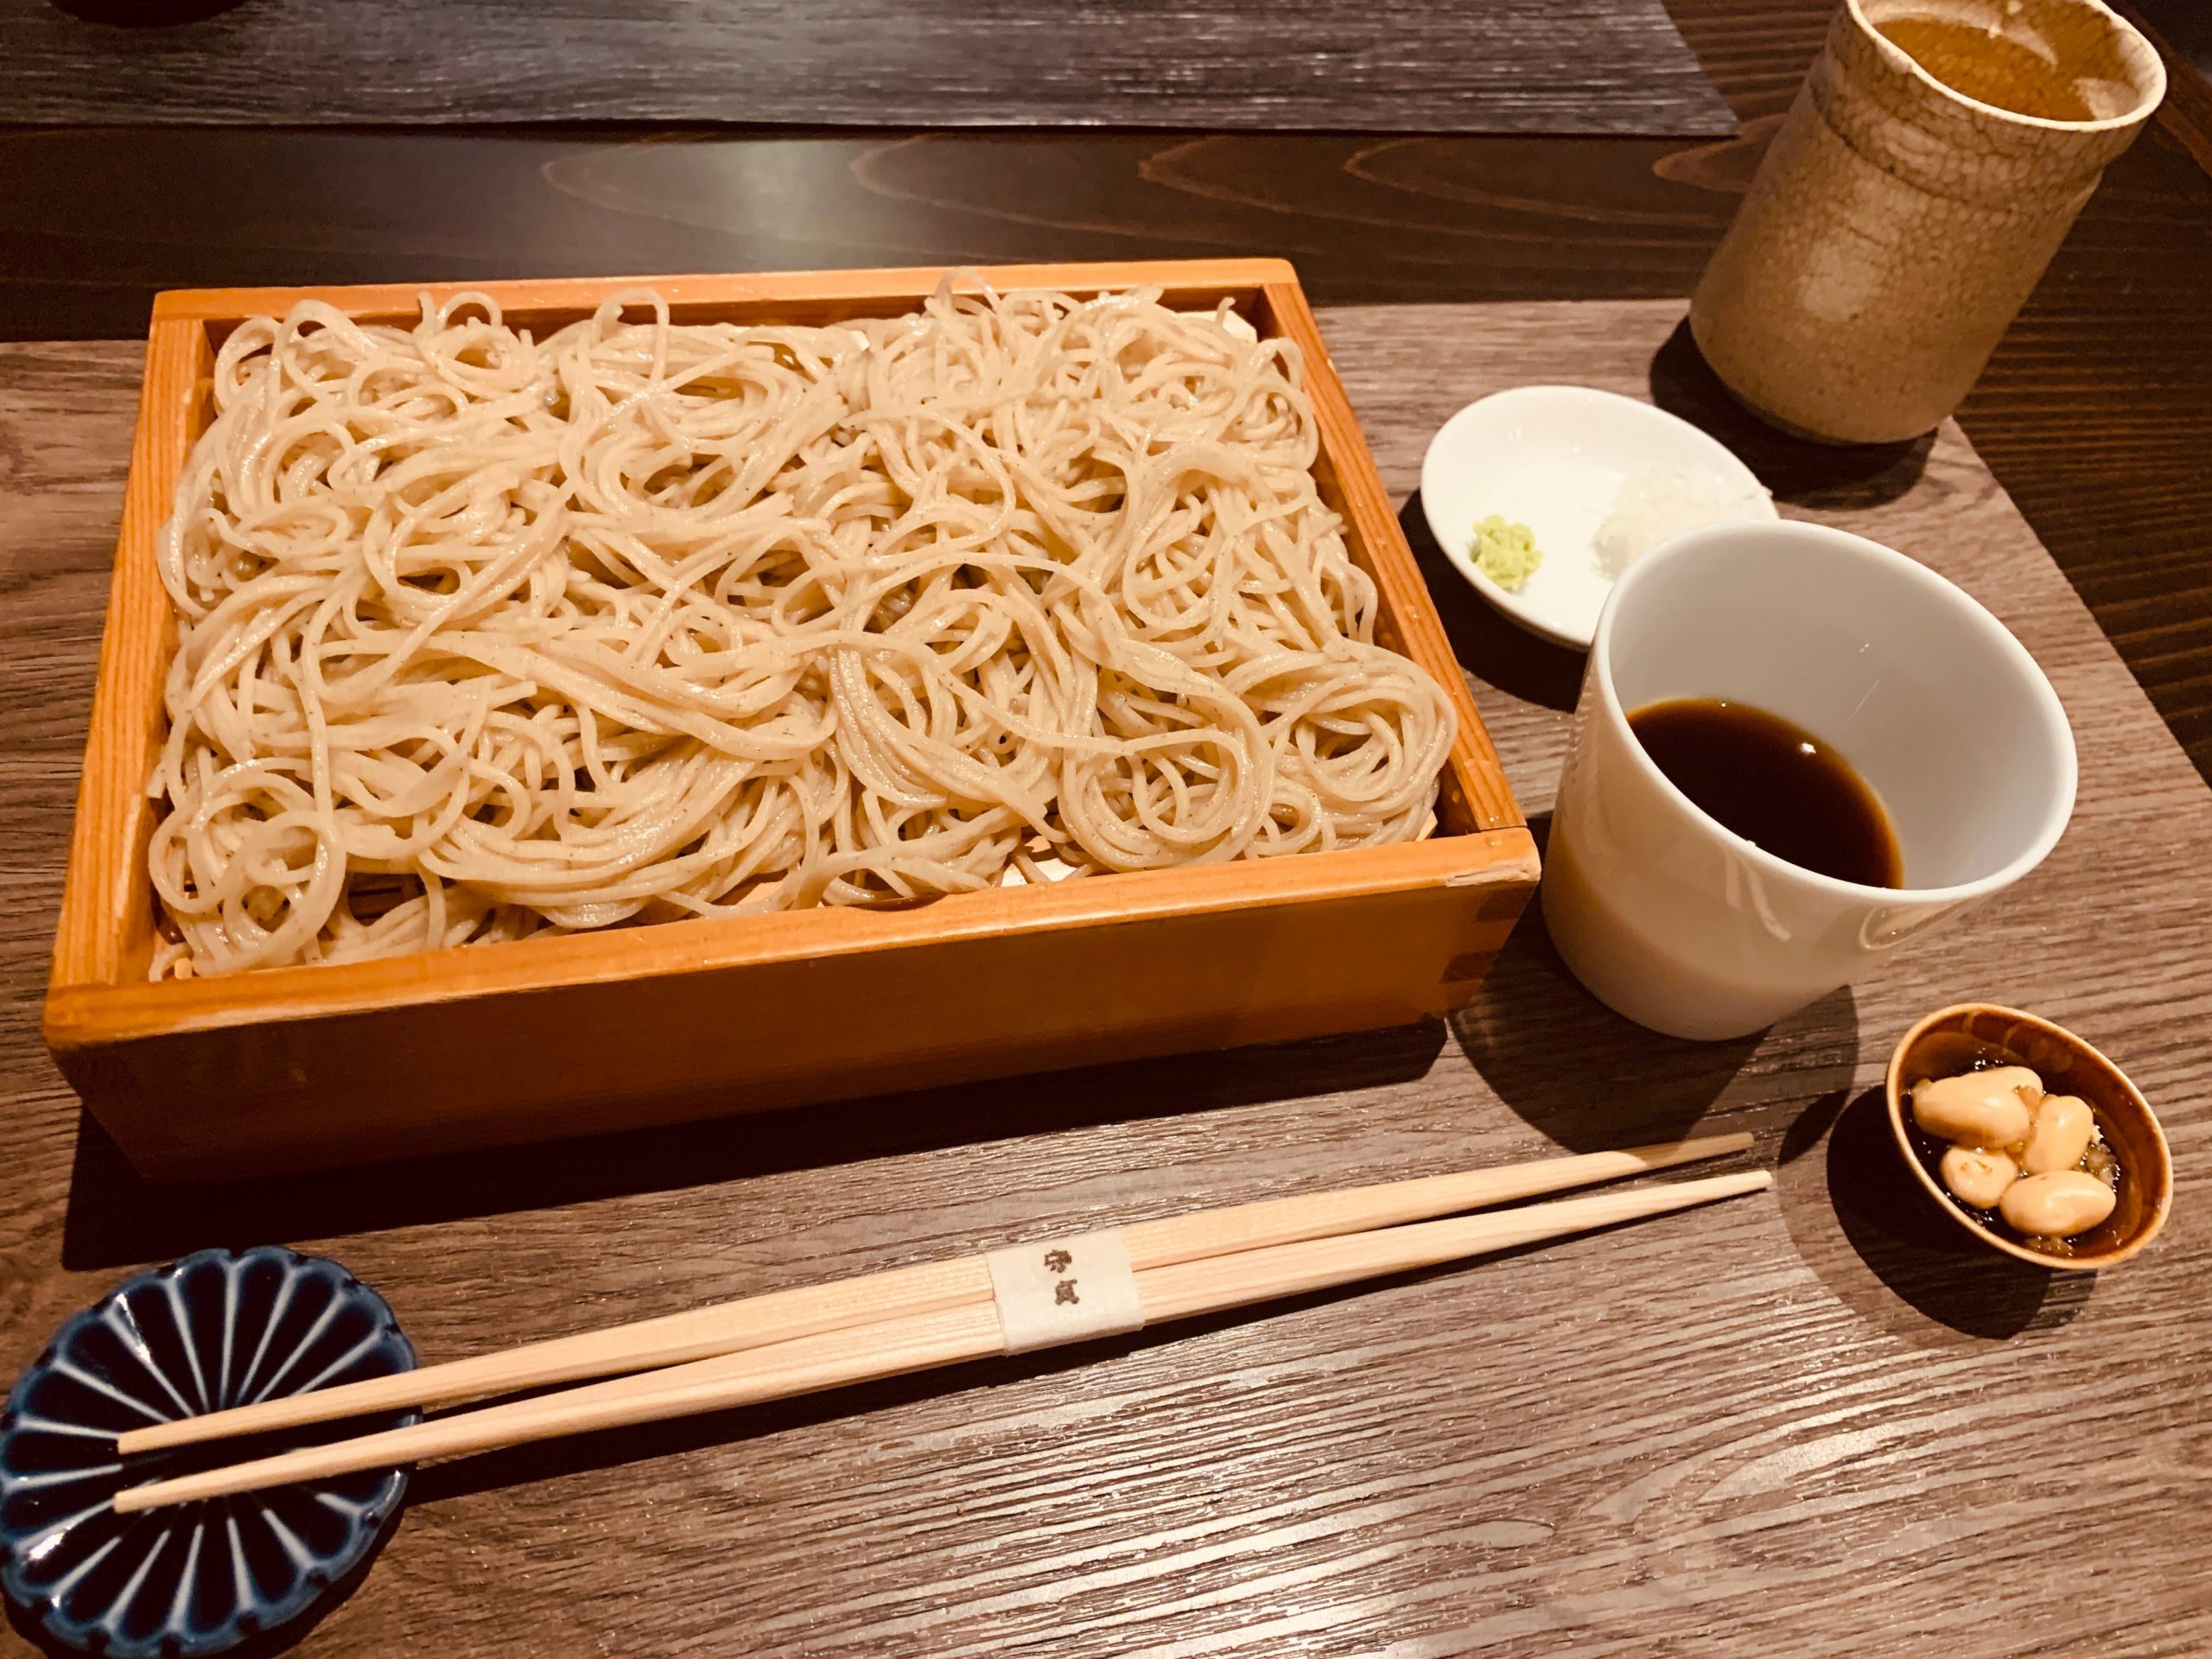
(218, 1329)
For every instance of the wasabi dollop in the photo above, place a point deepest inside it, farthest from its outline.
(1506, 553)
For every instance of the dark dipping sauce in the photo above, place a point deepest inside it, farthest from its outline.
(1774, 783)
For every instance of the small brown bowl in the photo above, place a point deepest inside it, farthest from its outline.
(1952, 1040)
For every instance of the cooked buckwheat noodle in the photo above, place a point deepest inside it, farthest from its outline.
(482, 638)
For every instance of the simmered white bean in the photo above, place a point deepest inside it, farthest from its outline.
(2062, 1126)
(1976, 1177)
(1978, 1108)
(2056, 1205)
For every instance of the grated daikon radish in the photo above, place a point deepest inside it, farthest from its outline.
(1659, 503)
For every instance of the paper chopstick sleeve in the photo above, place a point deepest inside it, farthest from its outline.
(1064, 1290)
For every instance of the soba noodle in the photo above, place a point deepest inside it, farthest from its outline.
(483, 637)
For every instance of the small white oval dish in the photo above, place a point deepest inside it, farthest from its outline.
(1556, 458)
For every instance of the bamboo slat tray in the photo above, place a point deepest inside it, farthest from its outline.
(302, 1067)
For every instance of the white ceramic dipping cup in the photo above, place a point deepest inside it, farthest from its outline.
(1687, 927)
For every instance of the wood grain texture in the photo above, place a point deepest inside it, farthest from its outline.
(1803, 1424)
(2182, 30)
(107, 911)
(782, 1316)
(919, 1342)
(304, 1067)
(2093, 414)
(1508, 65)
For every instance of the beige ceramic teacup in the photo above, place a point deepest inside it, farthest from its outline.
(1685, 926)
(1929, 170)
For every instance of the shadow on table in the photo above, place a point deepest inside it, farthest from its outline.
(1510, 659)
(116, 1216)
(1590, 1080)
(1876, 1240)
(143, 14)
(1798, 470)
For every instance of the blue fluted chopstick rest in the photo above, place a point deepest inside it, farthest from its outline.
(219, 1328)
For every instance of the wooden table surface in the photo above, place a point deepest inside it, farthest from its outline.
(1799, 1424)
(1509, 65)
(2096, 413)
(1803, 1422)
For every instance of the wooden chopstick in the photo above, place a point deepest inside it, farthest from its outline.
(813, 1310)
(917, 1342)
